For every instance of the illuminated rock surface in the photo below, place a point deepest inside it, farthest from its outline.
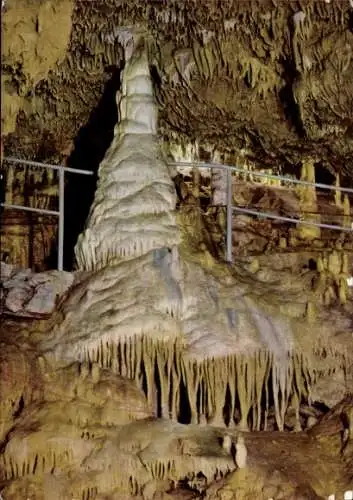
(153, 336)
(26, 293)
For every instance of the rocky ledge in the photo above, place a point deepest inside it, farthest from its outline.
(26, 293)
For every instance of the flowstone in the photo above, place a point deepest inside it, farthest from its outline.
(184, 345)
(196, 344)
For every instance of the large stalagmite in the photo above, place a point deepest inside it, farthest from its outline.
(150, 313)
(133, 208)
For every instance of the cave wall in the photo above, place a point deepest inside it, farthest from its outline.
(272, 79)
(35, 39)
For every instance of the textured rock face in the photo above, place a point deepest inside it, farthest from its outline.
(30, 42)
(16, 385)
(216, 70)
(26, 293)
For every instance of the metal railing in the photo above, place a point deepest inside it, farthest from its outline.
(58, 213)
(231, 208)
(229, 194)
(274, 177)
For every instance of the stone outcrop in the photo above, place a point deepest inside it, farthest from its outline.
(25, 293)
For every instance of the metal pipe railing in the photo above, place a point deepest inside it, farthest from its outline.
(61, 219)
(229, 207)
(60, 214)
(229, 234)
(31, 209)
(39, 164)
(261, 174)
(270, 215)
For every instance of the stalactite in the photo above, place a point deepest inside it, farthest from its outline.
(244, 391)
(232, 384)
(308, 202)
(338, 194)
(218, 377)
(261, 379)
(347, 221)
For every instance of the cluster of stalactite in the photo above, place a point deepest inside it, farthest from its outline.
(78, 428)
(333, 268)
(207, 58)
(27, 238)
(96, 41)
(235, 390)
(31, 186)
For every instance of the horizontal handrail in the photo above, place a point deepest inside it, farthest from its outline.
(270, 215)
(230, 208)
(259, 174)
(30, 209)
(47, 165)
(62, 169)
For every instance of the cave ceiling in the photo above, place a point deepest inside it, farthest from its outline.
(270, 79)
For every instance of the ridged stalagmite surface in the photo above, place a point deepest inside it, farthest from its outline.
(168, 331)
(133, 208)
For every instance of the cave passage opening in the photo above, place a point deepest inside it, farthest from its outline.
(90, 146)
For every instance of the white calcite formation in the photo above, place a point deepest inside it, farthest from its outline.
(25, 293)
(133, 210)
(149, 320)
(241, 453)
(149, 313)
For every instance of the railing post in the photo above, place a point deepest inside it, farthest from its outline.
(61, 219)
(229, 256)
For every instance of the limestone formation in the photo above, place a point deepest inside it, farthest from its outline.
(161, 371)
(114, 319)
(308, 203)
(241, 453)
(227, 443)
(133, 209)
(32, 294)
(30, 41)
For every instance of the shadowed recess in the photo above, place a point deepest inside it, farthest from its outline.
(90, 146)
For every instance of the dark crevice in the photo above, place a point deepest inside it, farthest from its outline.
(184, 416)
(91, 145)
(19, 410)
(158, 390)
(156, 78)
(227, 408)
(291, 109)
(286, 96)
(323, 175)
(350, 21)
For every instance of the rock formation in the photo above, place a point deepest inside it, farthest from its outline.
(132, 213)
(153, 337)
(24, 293)
(155, 370)
(32, 44)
